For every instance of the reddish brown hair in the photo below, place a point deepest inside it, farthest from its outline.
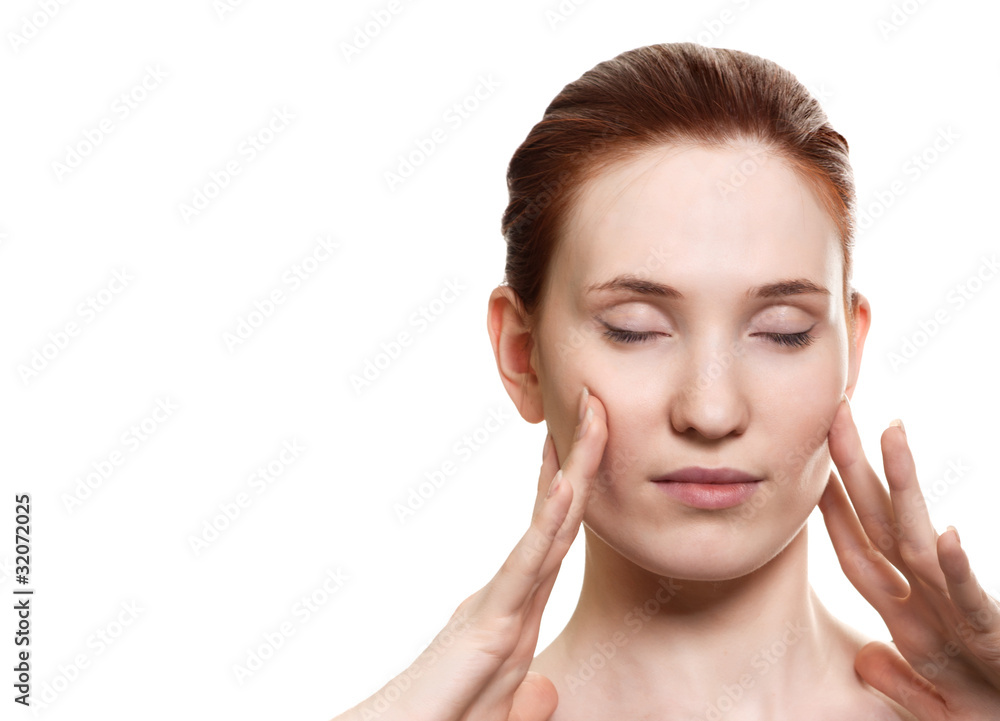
(655, 95)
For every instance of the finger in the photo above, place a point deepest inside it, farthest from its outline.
(581, 466)
(543, 546)
(980, 610)
(883, 668)
(579, 472)
(550, 465)
(866, 568)
(509, 589)
(915, 535)
(533, 618)
(504, 684)
(870, 499)
(535, 699)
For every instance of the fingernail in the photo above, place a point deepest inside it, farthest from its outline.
(555, 483)
(545, 448)
(899, 424)
(585, 424)
(957, 537)
(846, 400)
(584, 397)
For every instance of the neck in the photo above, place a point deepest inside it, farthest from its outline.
(739, 648)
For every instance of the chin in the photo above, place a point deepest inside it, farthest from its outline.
(720, 546)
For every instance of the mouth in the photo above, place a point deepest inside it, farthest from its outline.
(709, 488)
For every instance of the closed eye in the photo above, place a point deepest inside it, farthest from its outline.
(792, 340)
(620, 335)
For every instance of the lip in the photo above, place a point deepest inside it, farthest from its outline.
(709, 488)
(694, 474)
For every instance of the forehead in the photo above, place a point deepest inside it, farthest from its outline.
(733, 216)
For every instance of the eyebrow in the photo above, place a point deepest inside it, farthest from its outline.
(640, 286)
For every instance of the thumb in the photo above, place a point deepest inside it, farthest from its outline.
(535, 699)
(884, 668)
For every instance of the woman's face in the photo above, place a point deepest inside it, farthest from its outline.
(698, 293)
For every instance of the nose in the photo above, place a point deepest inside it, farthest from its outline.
(710, 400)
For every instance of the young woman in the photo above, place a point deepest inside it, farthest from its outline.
(678, 310)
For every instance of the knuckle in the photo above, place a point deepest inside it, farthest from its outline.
(534, 544)
(496, 637)
(987, 647)
(914, 554)
(856, 561)
(467, 607)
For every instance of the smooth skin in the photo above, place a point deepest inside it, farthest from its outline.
(482, 667)
(484, 675)
(710, 321)
(945, 627)
(476, 669)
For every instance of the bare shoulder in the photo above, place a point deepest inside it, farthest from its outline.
(867, 700)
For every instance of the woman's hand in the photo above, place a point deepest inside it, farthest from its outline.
(945, 627)
(476, 669)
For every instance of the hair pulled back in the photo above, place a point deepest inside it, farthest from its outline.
(679, 93)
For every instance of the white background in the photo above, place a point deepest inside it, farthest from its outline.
(889, 91)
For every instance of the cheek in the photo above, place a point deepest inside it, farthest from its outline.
(799, 412)
(632, 423)
(562, 380)
(629, 402)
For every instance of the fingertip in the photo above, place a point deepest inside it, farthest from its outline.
(870, 651)
(590, 401)
(536, 699)
(954, 530)
(845, 401)
(555, 484)
(584, 426)
(844, 410)
(582, 405)
(828, 500)
(872, 662)
(838, 433)
(560, 498)
(824, 498)
(893, 440)
(600, 412)
(952, 557)
(592, 430)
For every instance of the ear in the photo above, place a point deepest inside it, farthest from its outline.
(862, 322)
(513, 344)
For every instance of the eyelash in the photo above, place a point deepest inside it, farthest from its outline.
(792, 340)
(628, 336)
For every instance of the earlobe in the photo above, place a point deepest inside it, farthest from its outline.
(862, 322)
(512, 347)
